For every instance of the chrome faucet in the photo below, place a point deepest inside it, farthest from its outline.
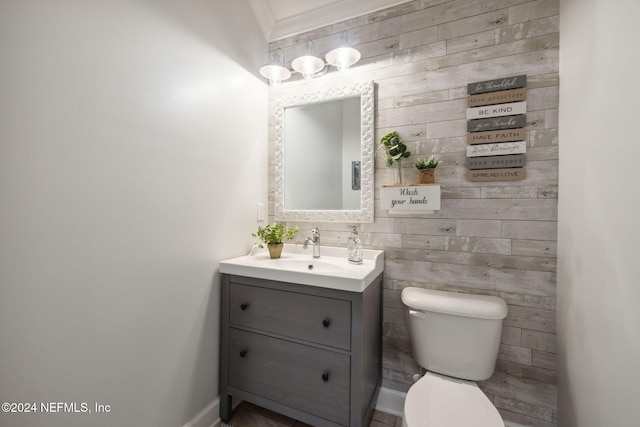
(315, 239)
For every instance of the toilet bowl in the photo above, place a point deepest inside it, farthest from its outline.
(455, 337)
(441, 401)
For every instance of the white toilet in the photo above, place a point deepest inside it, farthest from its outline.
(455, 337)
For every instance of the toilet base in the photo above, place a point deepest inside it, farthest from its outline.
(440, 401)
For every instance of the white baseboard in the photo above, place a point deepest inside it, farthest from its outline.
(207, 417)
(391, 401)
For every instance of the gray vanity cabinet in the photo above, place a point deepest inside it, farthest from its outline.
(311, 353)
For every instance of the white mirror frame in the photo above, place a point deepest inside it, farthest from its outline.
(365, 214)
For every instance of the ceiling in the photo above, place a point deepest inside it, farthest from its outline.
(284, 18)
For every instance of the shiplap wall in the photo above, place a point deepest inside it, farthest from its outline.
(495, 238)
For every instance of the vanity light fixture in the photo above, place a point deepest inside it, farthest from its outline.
(276, 72)
(308, 65)
(343, 57)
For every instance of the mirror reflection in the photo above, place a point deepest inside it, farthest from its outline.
(326, 136)
(324, 155)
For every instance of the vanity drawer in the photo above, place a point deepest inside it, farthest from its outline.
(308, 317)
(307, 378)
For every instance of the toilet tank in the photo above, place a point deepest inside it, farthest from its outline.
(454, 334)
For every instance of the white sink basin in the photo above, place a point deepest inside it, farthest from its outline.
(309, 265)
(296, 265)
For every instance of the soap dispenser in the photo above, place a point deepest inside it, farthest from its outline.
(354, 248)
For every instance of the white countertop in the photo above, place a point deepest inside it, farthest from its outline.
(297, 265)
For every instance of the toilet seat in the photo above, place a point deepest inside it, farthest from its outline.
(440, 401)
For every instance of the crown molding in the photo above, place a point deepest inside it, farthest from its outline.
(315, 18)
(264, 17)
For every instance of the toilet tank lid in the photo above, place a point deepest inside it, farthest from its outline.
(458, 304)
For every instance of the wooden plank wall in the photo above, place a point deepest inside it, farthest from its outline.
(494, 238)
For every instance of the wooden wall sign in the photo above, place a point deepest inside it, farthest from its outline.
(490, 98)
(413, 198)
(496, 123)
(511, 174)
(509, 109)
(496, 138)
(496, 162)
(497, 85)
(498, 149)
(493, 136)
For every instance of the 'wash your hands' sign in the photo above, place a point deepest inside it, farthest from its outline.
(411, 198)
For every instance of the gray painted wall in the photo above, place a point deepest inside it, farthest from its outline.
(127, 171)
(598, 232)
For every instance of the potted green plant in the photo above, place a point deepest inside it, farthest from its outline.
(395, 150)
(426, 169)
(273, 235)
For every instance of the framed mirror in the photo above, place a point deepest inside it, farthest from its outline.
(324, 155)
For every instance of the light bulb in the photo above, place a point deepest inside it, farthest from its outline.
(275, 73)
(308, 65)
(343, 57)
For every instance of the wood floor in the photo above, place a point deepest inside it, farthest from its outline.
(249, 415)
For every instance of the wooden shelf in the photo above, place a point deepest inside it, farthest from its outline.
(409, 185)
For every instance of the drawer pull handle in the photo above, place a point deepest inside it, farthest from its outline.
(325, 377)
(243, 353)
(244, 306)
(326, 323)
